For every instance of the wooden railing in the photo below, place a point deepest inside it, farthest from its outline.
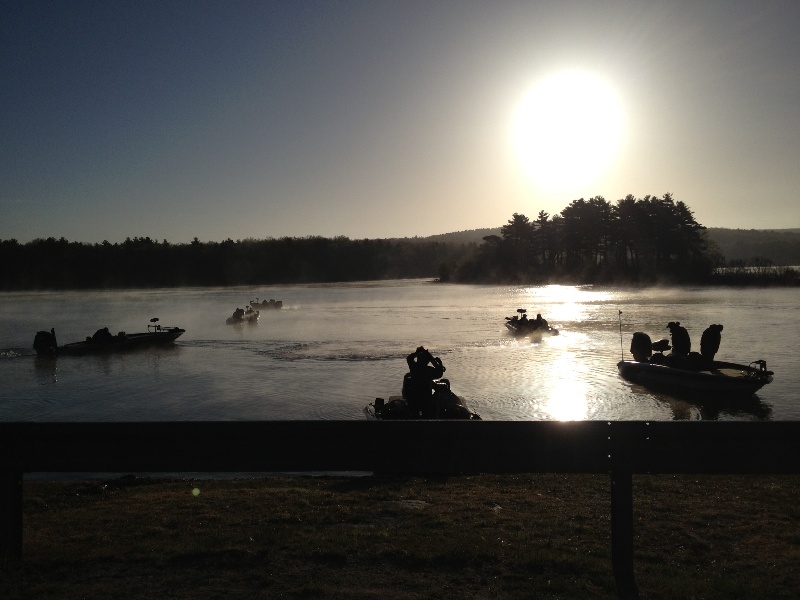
(619, 449)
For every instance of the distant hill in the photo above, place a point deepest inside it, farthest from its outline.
(457, 237)
(781, 246)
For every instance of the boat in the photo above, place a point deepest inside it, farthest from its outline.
(240, 316)
(103, 341)
(444, 405)
(266, 304)
(691, 375)
(425, 394)
(520, 325)
(719, 379)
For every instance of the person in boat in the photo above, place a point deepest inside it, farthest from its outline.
(540, 323)
(709, 343)
(523, 322)
(102, 336)
(238, 313)
(418, 384)
(681, 345)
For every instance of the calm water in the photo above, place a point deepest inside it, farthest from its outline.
(334, 348)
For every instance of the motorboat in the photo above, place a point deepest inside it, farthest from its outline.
(443, 404)
(242, 316)
(266, 304)
(104, 341)
(693, 374)
(426, 394)
(520, 325)
(718, 379)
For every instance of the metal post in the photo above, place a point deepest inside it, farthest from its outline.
(622, 535)
(10, 516)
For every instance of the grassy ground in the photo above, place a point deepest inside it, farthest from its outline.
(505, 537)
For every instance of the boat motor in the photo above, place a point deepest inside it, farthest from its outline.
(45, 343)
(641, 347)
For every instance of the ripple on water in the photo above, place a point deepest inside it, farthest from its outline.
(345, 345)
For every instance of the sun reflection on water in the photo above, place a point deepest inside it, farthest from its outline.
(567, 401)
(561, 304)
(567, 394)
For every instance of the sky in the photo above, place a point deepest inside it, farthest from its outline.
(381, 119)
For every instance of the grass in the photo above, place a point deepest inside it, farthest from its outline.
(505, 537)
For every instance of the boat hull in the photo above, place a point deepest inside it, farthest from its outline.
(724, 379)
(127, 343)
(534, 332)
(267, 305)
(450, 407)
(251, 318)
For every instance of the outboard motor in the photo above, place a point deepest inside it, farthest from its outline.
(45, 343)
(641, 347)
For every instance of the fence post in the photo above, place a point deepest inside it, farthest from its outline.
(10, 515)
(622, 535)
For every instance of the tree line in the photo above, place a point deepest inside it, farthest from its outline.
(142, 262)
(633, 241)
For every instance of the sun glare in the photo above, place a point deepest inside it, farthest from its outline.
(567, 130)
(567, 397)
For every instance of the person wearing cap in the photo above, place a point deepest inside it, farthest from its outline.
(681, 343)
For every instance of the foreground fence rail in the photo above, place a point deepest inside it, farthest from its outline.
(619, 449)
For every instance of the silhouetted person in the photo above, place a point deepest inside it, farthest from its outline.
(681, 344)
(540, 322)
(709, 342)
(423, 368)
(102, 336)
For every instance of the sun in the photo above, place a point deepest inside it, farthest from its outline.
(567, 130)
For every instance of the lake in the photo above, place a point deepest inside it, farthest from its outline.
(334, 348)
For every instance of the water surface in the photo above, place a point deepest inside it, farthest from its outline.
(334, 348)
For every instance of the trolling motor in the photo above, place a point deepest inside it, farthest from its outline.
(761, 365)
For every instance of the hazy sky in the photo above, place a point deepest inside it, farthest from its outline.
(374, 119)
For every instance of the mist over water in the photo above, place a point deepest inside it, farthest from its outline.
(334, 348)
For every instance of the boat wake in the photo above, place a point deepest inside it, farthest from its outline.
(16, 352)
(327, 351)
(332, 351)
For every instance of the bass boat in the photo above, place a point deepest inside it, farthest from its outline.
(691, 375)
(519, 325)
(104, 341)
(444, 404)
(241, 315)
(425, 394)
(266, 304)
